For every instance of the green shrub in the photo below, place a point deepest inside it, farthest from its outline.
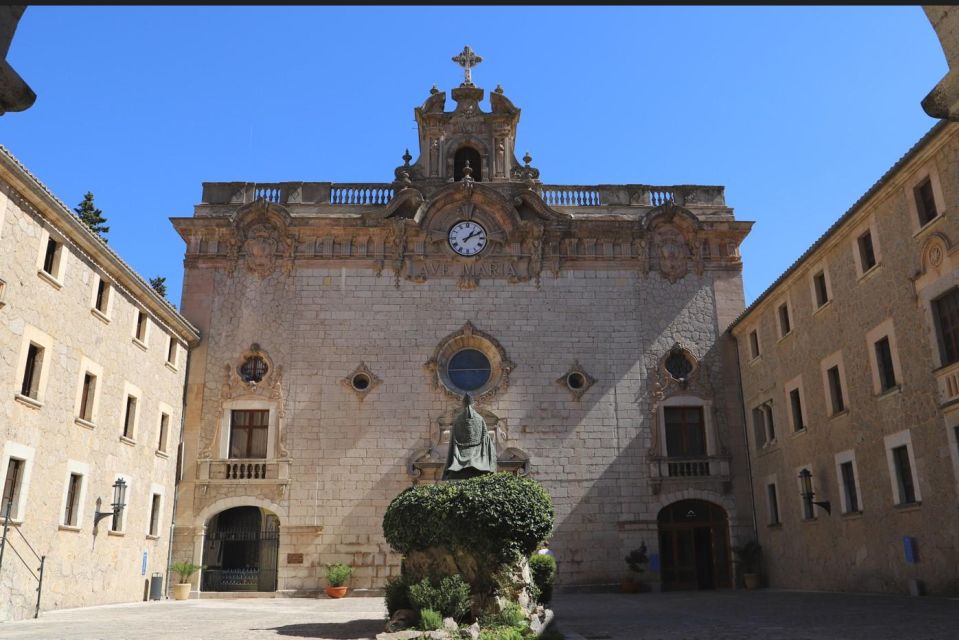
(185, 570)
(338, 574)
(451, 597)
(430, 620)
(397, 594)
(512, 615)
(543, 568)
(501, 633)
(497, 514)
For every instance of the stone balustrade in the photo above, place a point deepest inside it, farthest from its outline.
(690, 468)
(948, 380)
(243, 470)
(376, 194)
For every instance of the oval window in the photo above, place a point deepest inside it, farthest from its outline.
(253, 369)
(469, 369)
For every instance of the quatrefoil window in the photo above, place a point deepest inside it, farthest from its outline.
(253, 369)
(679, 364)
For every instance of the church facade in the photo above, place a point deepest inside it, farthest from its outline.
(341, 325)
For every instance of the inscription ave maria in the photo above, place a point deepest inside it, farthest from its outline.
(484, 269)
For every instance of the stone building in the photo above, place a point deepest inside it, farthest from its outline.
(850, 371)
(343, 322)
(92, 371)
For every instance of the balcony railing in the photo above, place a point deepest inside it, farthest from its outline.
(238, 470)
(948, 380)
(691, 468)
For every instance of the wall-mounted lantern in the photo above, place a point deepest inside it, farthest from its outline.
(119, 502)
(805, 477)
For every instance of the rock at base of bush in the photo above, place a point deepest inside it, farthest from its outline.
(402, 619)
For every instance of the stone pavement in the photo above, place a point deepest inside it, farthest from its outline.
(723, 615)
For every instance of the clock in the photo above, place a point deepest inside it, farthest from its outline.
(467, 238)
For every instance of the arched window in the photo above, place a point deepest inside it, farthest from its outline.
(464, 154)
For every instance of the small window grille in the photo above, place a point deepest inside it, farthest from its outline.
(254, 369)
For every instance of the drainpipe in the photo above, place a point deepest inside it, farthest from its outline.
(176, 478)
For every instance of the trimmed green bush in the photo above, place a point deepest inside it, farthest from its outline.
(543, 568)
(397, 595)
(501, 633)
(430, 620)
(498, 514)
(451, 597)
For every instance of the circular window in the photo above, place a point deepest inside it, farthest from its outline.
(576, 381)
(360, 382)
(253, 369)
(469, 369)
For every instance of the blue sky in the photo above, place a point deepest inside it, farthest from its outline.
(796, 110)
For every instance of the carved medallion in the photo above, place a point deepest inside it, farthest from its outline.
(260, 249)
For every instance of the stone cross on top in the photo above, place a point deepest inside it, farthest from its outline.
(467, 59)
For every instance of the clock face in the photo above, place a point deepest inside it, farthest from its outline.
(467, 238)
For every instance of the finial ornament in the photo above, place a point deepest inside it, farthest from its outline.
(406, 158)
(434, 90)
(467, 59)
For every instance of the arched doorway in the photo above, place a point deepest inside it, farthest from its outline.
(694, 546)
(464, 154)
(240, 550)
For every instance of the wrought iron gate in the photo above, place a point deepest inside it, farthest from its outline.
(242, 559)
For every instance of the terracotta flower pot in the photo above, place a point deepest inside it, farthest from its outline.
(336, 592)
(181, 591)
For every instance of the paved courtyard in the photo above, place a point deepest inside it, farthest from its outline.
(731, 615)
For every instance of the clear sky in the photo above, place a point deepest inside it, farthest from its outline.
(796, 110)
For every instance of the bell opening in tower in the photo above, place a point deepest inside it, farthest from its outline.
(464, 155)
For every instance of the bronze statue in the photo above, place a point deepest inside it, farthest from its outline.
(471, 452)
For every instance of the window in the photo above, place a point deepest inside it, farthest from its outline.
(155, 515)
(835, 390)
(51, 257)
(795, 403)
(785, 326)
(925, 202)
(867, 254)
(164, 430)
(248, 433)
(945, 310)
(765, 431)
(70, 515)
(469, 369)
(101, 301)
(253, 369)
(171, 352)
(11, 488)
(685, 432)
(887, 373)
(772, 504)
(849, 492)
(141, 328)
(904, 480)
(30, 385)
(129, 419)
(86, 397)
(822, 291)
(753, 344)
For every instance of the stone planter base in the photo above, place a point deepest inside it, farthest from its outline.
(181, 591)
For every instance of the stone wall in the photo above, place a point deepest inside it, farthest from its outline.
(349, 455)
(81, 568)
(863, 551)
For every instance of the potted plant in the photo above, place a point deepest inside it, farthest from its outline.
(749, 556)
(337, 575)
(185, 571)
(636, 561)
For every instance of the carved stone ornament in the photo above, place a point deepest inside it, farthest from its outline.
(672, 252)
(576, 380)
(239, 384)
(361, 381)
(469, 337)
(260, 249)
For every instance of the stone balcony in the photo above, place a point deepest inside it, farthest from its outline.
(947, 379)
(244, 471)
(669, 473)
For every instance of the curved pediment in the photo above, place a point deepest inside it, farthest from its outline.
(261, 212)
(671, 213)
(470, 200)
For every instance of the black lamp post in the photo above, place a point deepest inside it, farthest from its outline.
(119, 502)
(805, 477)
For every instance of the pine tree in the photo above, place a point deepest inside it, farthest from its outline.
(92, 217)
(159, 285)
